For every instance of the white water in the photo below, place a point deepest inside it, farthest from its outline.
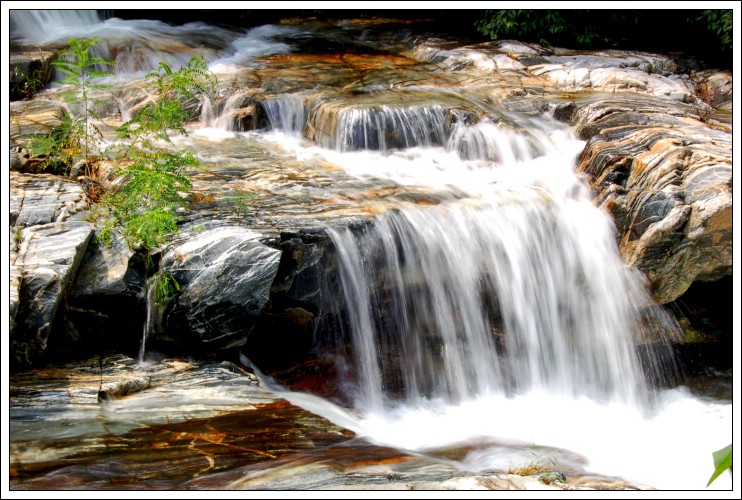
(526, 230)
(153, 311)
(138, 46)
(528, 234)
(422, 284)
(40, 26)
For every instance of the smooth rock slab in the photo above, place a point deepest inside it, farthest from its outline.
(30, 118)
(206, 426)
(43, 198)
(48, 257)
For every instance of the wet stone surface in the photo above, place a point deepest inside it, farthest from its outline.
(107, 423)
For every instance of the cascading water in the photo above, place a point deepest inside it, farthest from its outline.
(41, 26)
(286, 113)
(153, 312)
(502, 313)
(519, 290)
(387, 127)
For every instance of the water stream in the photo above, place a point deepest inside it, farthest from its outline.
(502, 314)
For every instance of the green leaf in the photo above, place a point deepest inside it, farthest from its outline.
(722, 462)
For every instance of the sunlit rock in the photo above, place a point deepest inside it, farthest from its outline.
(43, 198)
(48, 257)
(667, 178)
(224, 275)
(34, 118)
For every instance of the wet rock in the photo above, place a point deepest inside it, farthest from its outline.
(184, 421)
(29, 73)
(48, 257)
(124, 388)
(225, 274)
(666, 177)
(208, 426)
(303, 269)
(34, 118)
(42, 198)
(108, 295)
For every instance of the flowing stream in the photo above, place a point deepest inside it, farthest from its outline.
(500, 317)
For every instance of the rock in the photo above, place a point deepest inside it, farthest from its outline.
(714, 88)
(108, 295)
(123, 388)
(110, 269)
(304, 269)
(32, 118)
(667, 179)
(14, 291)
(185, 421)
(43, 198)
(614, 71)
(48, 258)
(225, 275)
(29, 73)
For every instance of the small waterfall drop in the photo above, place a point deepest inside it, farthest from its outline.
(502, 313)
(153, 313)
(385, 127)
(286, 113)
(517, 289)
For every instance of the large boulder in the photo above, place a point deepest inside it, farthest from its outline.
(46, 249)
(106, 304)
(224, 273)
(667, 179)
(48, 258)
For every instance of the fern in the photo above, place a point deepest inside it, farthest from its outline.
(82, 73)
(165, 286)
(154, 178)
(60, 150)
(150, 178)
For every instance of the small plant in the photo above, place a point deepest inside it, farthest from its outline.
(240, 202)
(538, 465)
(26, 81)
(149, 178)
(60, 150)
(165, 286)
(153, 178)
(722, 462)
(77, 137)
(18, 235)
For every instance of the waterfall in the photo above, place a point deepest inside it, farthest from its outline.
(40, 26)
(286, 113)
(153, 313)
(519, 288)
(226, 113)
(382, 128)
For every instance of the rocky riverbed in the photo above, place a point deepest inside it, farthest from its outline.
(317, 125)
